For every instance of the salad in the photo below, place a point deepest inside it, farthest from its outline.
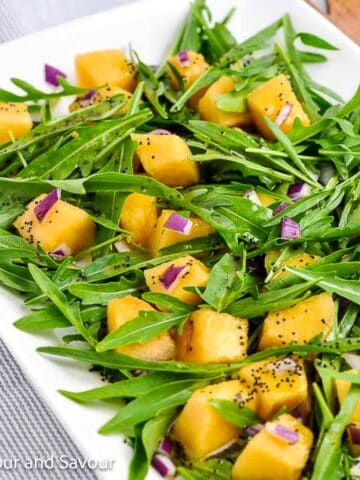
(197, 223)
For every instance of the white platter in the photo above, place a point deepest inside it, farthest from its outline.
(150, 25)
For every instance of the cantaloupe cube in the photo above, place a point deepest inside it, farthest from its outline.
(64, 227)
(209, 110)
(266, 200)
(171, 278)
(302, 260)
(278, 383)
(15, 121)
(100, 96)
(300, 323)
(164, 237)
(125, 309)
(197, 65)
(167, 159)
(138, 216)
(105, 67)
(199, 428)
(268, 456)
(268, 100)
(212, 337)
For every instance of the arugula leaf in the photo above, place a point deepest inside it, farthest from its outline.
(145, 326)
(242, 417)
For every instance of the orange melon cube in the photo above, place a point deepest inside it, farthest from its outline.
(208, 109)
(123, 310)
(15, 121)
(269, 99)
(64, 227)
(105, 67)
(138, 216)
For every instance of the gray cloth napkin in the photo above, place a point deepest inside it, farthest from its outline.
(33, 443)
(29, 431)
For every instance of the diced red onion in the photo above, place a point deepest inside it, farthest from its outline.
(178, 223)
(160, 131)
(353, 360)
(51, 74)
(326, 173)
(165, 446)
(86, 99)
(163, 465)
(254, 429)
(61, 251)
(42, 208)
(283, 366)
(285, 433)
(354, 432)
(184, 58)
(252, 195)
(171, 276)
(280, 208)
(121, 246)
(299, 191)
(283, 114)
(289, 228)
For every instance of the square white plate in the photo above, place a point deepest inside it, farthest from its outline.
(150, 26)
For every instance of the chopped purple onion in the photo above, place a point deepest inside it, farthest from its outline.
(160, 131)
(280, 208)
(52, 74)
(283, 114)
(179, 224)
(171, 276)
(163, 465)
(289, 228)
(283, 366)
(254, 429)
(184, 58)
(86, 99)
(285, 433)
(165, 446)
(252, 195)
(298, 191)
(354, 432)
(42, 208)
(61, 251)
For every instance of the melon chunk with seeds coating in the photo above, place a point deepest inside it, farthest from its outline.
(212, 337)
(200, 429)
(163, 236)
(278, 383)
(105, 67)
(301, 260)
(138, 216)
(299, 323)
(270, 99)
(188, 71)
(15, 121)
(167, 159)
(209, 110)
(172, 277)
(279, 451)
(64, 228)
(125, 309)
(101, 95)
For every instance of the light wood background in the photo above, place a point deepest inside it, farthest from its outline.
(345, 14)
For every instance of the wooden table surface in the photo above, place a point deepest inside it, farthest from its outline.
(345, 14)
